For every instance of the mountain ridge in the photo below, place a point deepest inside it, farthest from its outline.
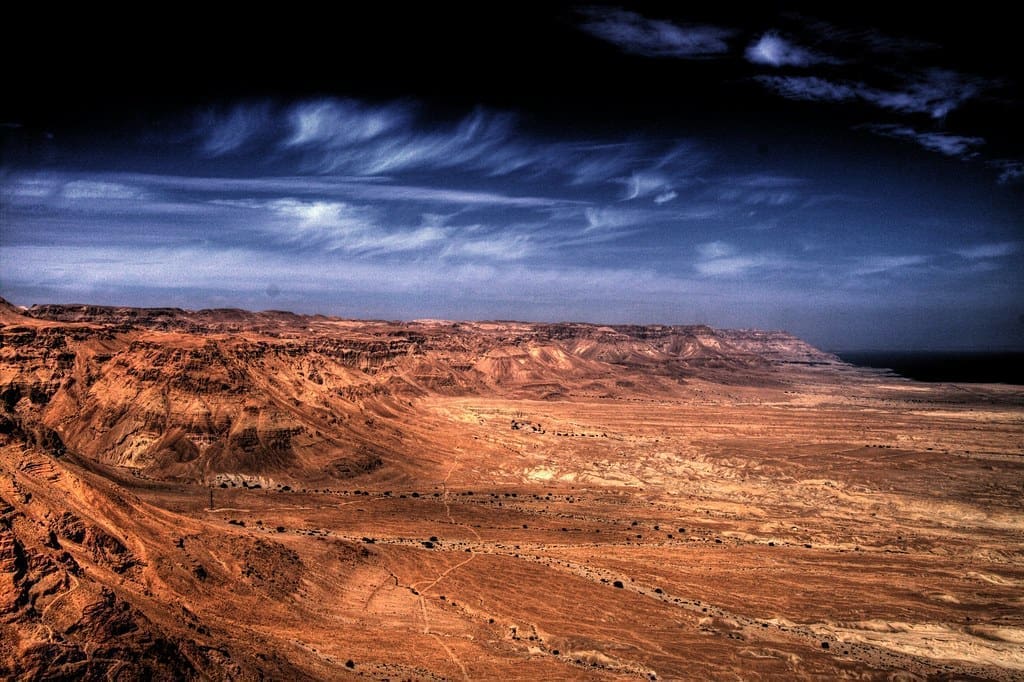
(228, 394)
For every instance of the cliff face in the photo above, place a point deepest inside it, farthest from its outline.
(225, 394)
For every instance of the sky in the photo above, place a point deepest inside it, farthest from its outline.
(854, 176)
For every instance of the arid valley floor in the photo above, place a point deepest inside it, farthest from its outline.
(437, 500)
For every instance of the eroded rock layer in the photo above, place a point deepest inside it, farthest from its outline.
(232, 495)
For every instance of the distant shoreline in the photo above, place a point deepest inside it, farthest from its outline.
(988, 367)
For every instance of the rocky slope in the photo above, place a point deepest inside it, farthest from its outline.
(241, 496)
(228, 395)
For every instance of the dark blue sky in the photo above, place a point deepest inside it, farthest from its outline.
(853, 181)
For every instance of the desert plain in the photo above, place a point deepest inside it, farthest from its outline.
(233, 495)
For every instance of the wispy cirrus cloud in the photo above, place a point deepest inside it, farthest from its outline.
(760, 189)
(944, 143)
(990, 250)
(771, 49)
(603, 218)
(340, 136)
(645, 183)
(1010, 170)
(385, 142)
(230, 130)
(640, 35)
(52, 188)
(935, 92)
(721, 259)
(336, 123)
(45, 187)
(811, 88)
(488, 248)
(98, 189)
(363, 231)
(869, 39)
(883, 264)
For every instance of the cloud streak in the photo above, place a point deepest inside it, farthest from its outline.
(636, 34)
(385, 143)
(771, 49)
(877, 265)
(811, 88)
(229, 131)
(720, 259)
(1011, 171)
(991, 250)
(935, 93)
(337, 199)
(945, 143)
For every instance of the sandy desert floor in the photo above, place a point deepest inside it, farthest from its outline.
(872, 530)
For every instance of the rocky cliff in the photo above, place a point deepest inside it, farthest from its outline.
(228, 395)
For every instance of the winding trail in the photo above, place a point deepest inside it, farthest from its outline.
(455, 659)
(444, 574)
